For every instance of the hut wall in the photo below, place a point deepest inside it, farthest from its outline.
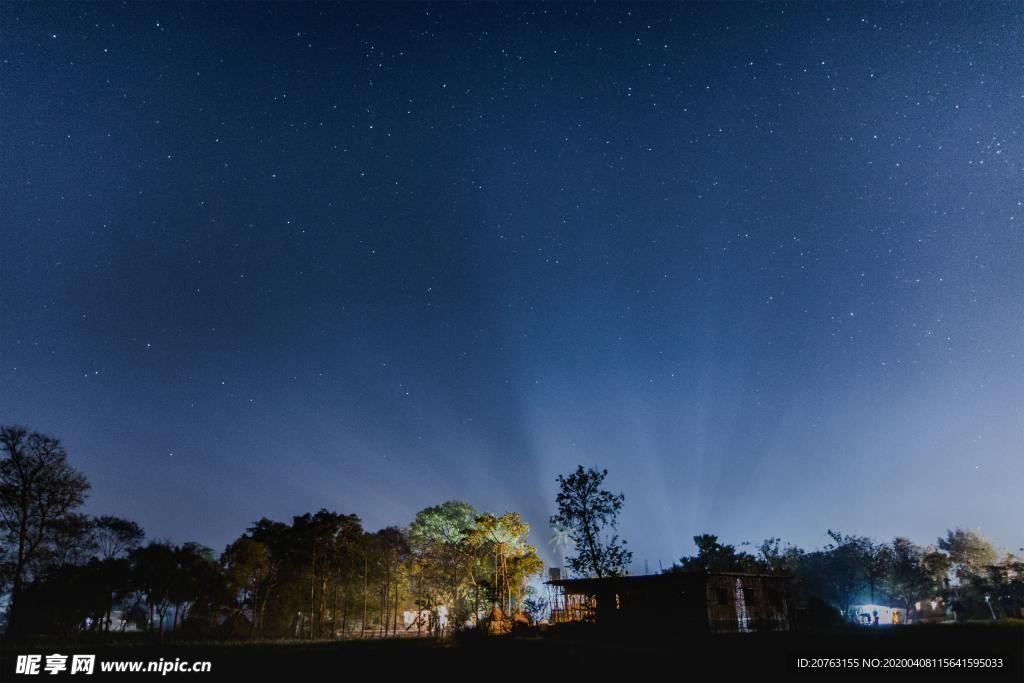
(746, 603)
(676, 602)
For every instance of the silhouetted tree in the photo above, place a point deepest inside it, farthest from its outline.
(38, 492)
(834, 573)
(316, 545)
(1005, 583)
(936, 566)
(908, 580)
(153, 577)
(114, 537)
(110, 583)
(587, 511)
(194, 580)
(874, 559)
(535, 606)
(71, 541)
(770, 554)
(713, 556)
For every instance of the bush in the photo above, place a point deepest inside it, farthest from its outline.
(816, 613)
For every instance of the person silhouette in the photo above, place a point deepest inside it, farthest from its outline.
(874, 613)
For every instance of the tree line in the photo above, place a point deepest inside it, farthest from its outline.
(960, 576)
(322, 575)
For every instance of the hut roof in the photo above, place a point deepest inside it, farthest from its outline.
(588, 585)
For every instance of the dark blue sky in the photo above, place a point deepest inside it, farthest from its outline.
(762, 262)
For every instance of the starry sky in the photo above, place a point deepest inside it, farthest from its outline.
(763, 262)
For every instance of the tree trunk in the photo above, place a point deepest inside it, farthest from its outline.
(18, 579)
(252, 620)
(17, 585)
(387, 598)
(366, 574)
(334, 613)
(344, 617)
(394, 612)
(263, 610)
(312, 589)
(323, 607)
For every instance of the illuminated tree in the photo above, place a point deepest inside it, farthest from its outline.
(512, 560)
(972, 559)
(969, 552)
(445, 523)
(313, 571)
(445, 566)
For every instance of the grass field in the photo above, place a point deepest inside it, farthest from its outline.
(579, 655)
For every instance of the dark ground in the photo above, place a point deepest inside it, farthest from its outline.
(575, 655)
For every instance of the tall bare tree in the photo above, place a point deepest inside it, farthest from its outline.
(38, 492)
(115, 536)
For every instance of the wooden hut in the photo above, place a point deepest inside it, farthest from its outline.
(677, 601)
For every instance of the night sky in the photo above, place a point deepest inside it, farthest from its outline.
(762, 262)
